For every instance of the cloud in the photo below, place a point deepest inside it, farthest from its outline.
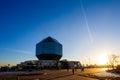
(15, 50)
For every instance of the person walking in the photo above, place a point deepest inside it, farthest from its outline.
(82, 69)
(73, 69)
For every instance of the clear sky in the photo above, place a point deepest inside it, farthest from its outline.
(86, 28)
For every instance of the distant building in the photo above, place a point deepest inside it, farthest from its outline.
(46, 64)
(28, 65)
(70, 64)
(49, 52)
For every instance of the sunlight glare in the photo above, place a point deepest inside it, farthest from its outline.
(102, 59)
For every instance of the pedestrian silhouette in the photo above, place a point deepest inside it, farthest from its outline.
(73, 69)
(82, 69)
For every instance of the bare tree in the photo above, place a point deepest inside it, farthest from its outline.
(113, 60)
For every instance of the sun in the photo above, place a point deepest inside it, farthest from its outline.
(102, 59)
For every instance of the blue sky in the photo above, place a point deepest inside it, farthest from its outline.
(86, 28)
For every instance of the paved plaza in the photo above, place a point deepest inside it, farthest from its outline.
(52, 75)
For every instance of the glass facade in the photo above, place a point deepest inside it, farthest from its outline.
(49, 47)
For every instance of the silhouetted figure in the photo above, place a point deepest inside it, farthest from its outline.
(73, 71)
(82, 69)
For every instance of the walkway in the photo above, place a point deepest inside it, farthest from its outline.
(51, 75)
